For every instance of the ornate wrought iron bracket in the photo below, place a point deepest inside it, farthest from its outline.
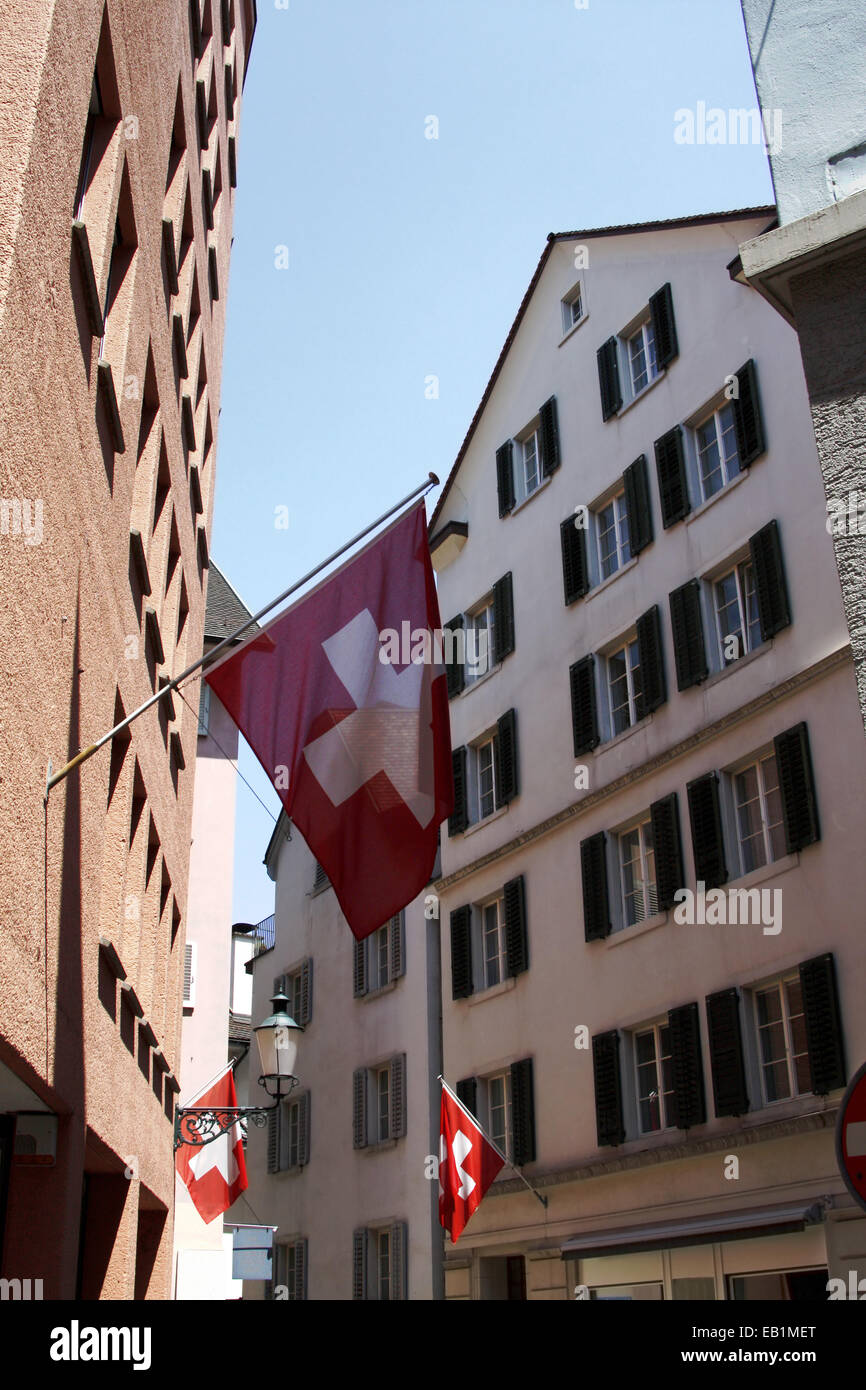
(200, 1125)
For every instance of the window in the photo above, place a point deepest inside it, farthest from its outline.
(289, 1135)
(624, 686)
(654, 1085)
(380, 1263)
(493, 942)
(485, 770)
(782, 1047)
(737, 619)
(379, 1102)
(489, 941)
(486, 774)
(383, 1264)
(525, 461)
(637, 866)
(716, 444)
(613, 538)
(189, 971)
(529, 475)
(758, 805)
(499, 1112)
(572, 309)
(505, 1105)
(290, 1270)
(476, 641)
(480, 641)
(643, 367)
(297, 985)
(203, 709)
(379, 959)
(321, 879)
(94, 111)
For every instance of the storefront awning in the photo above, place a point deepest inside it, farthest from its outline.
(698, 1230)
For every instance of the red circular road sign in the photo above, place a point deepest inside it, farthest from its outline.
(851, 1137)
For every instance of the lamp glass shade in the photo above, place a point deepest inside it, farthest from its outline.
(277, 1039)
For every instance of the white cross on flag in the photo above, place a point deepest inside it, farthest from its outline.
(215, 1174)
(468, 1163)
(358, 747)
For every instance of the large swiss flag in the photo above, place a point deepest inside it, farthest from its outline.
(468, 1163)
(358, 749)
(215, 1174)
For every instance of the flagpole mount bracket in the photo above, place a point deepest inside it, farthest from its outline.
(199, 1125)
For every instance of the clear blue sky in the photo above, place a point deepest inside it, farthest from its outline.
(408, 256)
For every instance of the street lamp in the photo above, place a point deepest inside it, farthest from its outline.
(277, 1039)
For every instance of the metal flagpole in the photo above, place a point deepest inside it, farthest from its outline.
(495, 1147)
(209, 657)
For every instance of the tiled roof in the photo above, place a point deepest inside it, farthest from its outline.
(224, 611)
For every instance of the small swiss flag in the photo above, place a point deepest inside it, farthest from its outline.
(342, 698)
(215, 1174)
(468, 1164)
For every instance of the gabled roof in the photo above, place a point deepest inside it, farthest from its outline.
(700, 219)
(224, 611)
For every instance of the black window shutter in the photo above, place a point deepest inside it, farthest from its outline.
(748, 420)
(608, 1088)
(455, 671)
(516, 942)
(505, 478)
(397, 947)
(507, 771)
(637, 505)
(304, 1129)
(306, 993)
(593, 869)
(503, 619)
(550, 459)
(467, 1093)
(399, 1260)
(653, 687)
(774, 608)
(397, 1119)
(671, 470)
(522, 1112)
(359, 1264)
(274, 1139)
(688, 630)
(823, 1024)
(461, 952)
(458, 819)
(608, 379)
(301, 1263)
(584, 709)
(689, 1104)
(797, 787)
(667, 849)
(359, 1108)
(708, 843)
(664, 326)
(724, 1031)
(575, 574)
(359, 969)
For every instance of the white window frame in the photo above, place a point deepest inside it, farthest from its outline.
(644, 331)
(730, 466)
(501, 957)
(659, 1057)
(189, 968)
(625, 645)
(380, 1093)
(506, 1144)
(480, 619)
(574, 297)
(204, 710)
(622, 541)
(741, 569)
(489, 741)
(786, 1021)
(523, 490)
(756, 762)
(648, 884)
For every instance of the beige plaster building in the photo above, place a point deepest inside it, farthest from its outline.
(651, 951)
(119, 130)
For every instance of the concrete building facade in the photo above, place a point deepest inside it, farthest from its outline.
(119, 125)
(807, 61)
(345, 1173)
(651, 970)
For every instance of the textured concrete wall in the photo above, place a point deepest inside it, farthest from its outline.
(808, 61)
(110, 855)
(830, 306)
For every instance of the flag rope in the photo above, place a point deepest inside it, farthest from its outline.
(486, 1136)
(210, 657)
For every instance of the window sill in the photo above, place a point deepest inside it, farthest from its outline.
(599, 588)
(381, 989)
(624, 409)
(756, 876)
(379, 1146)
(741, 661)
(626, 733)
(573, 329)
(716, 497)
(518, 506)
(638, 929)
(476, 825)
(479, 996)
(481, 679)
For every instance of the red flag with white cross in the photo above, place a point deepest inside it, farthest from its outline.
(342, 698)
(215, 1174)
(468, 1164)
